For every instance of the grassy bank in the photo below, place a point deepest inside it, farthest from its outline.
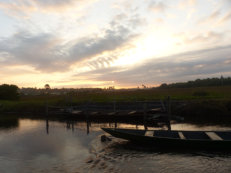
(205, 111)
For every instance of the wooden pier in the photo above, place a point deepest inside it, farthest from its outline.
(139, 111)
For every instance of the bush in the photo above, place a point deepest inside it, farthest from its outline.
(205, 111)
(9, 92)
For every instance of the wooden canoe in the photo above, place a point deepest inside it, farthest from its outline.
(178, 139)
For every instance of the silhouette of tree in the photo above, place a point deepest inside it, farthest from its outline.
(47, 87)
(199, 83)
(9, 92)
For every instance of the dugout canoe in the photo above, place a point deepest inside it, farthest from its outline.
(176, 139)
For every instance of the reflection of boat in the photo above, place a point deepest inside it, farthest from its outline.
(175, 139)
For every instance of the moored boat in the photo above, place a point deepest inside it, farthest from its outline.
(176, 139)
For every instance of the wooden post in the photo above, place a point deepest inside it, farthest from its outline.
(47, 88)
(88, 129)
(71, 108)
(169, 113)
(47, 121)
(114, 110)
(86, 111)
(145, 116)
(68, 126)
(46, 108)
(47, 125)
(72, 126)
(162, 104)
(114, 106)
(87, 116)
(115, 124)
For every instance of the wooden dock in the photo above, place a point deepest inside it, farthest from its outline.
(128, 111)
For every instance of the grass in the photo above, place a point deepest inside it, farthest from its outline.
(156, 94)
(200, 93)
(221, 94)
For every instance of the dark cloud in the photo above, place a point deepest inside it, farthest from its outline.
(102, 62)
(40, 51)
(180, 67)
(112, 39)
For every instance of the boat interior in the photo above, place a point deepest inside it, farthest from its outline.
(194, 135)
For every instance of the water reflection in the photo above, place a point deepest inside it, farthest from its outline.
(72, 125)
(30, 149)
(47, 126)
(87, 126)
(8, 122)
(123, 156)
(75, 146)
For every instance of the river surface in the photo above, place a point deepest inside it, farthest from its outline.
(28, 146)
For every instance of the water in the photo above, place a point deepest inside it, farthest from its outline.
(39, 146)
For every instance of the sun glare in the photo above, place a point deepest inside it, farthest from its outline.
(148, 47)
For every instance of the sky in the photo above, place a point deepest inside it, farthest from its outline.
(102, 43)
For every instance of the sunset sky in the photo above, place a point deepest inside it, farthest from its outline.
(121, 43)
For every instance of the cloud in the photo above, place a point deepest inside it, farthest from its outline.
(227, 17)
(24, 8)
(42, 51)
(206, 38)
(157, 6)
(211, 18)
(48, 53)
(121, 31)
(180, 67)
(54, 2)
(102, 61)
(186, 3)
(226, 3)
(215, 18)
(90, 47)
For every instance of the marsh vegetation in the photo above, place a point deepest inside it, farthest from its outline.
(208, 98)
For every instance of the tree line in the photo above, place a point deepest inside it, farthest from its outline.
(222, 81)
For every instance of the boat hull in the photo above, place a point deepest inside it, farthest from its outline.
(168, 142)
